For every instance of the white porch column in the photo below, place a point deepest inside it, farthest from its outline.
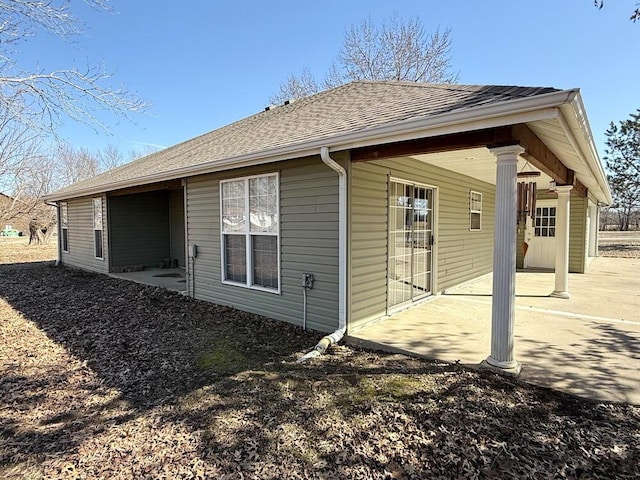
(504, 262)
(562, 242)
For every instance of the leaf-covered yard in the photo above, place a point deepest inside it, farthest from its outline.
(102, 378)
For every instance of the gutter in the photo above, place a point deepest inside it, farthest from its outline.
(337, 335)
(521, 110)
(575, 121)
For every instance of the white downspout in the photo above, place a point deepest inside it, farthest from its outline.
(336, 336)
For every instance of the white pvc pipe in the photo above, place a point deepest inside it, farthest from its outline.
(337, 335)
(304, 308)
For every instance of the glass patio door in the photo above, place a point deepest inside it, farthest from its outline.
(409, 262)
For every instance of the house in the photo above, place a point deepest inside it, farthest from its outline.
(385, 192)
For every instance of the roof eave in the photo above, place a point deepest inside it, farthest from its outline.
(576, 127)
(521, 110)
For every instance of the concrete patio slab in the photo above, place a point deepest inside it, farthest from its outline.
(588, 345)
(169, 278)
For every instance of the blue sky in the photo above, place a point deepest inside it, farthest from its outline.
(203, 64)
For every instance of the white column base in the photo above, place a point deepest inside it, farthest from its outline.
(557, 294)
(511, 369)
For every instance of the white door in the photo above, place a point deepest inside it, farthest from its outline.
(541, 236)
(409, 261)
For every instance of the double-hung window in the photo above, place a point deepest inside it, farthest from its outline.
(97, 227)
(64, 226)
(475, 211)
(250, 230)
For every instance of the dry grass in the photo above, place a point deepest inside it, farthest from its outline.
(102, 378)
(18, 250)
(619, 244)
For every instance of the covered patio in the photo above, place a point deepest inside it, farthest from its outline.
(588, 345)
(169, 278)
(556, 143)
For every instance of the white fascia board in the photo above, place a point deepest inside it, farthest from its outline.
(521, 110)
(576, 127)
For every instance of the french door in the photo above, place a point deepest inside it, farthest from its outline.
(410, 243)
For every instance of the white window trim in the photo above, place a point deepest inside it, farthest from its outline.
(247, 234)
(93, 219)
(471, 211)
(64, 226)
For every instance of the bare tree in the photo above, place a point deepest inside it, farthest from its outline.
(635, 15)
(33, 103)
(35, 176)
(396, 49)
(16, 144)
(41, 99)
(141, 151)
(39, 172)
(74, 164)
(19, 150)
(295, 87)
(109, 157)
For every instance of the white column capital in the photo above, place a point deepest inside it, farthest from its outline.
(507, 152)
(563, 189)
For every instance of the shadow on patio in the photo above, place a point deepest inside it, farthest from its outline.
(588, 345)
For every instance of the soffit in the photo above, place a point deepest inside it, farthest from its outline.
(478, 163)
(555, 138)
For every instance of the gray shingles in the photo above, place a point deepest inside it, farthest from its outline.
(346, 109)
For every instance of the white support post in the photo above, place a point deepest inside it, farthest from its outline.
(504, 263)
(562, 242)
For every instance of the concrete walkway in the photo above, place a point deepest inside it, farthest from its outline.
(588, 345)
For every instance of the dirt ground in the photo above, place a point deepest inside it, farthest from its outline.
(103, 378)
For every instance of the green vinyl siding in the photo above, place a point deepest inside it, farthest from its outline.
(519, 246)
(139, 228)
(460, 254)
(81, 252)
(308, 243)
(578, 234)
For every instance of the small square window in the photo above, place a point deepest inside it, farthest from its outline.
(545, 222)
(64, 226)
(97, 228)
(475, 211)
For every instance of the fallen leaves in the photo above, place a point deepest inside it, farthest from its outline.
(101, 378)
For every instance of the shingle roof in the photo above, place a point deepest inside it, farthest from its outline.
(353, 107)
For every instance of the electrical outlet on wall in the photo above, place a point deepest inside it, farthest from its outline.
(307, 280)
